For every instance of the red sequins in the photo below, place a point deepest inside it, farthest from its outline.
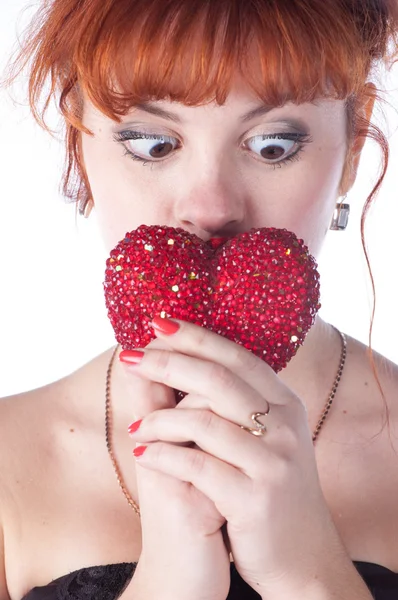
(259, 289)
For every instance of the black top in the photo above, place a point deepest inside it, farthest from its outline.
(109, 581)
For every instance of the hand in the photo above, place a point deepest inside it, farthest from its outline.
(183, 553)
(267, 488)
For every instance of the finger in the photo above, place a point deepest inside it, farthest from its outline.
(226, 394)
(220, 482)
(224, 440)
(146, 397)
(209, 432)
(200, 342)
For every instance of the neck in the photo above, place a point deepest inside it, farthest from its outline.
(312, 372)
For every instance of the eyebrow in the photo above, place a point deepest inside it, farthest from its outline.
(159, 112)
(165, 114)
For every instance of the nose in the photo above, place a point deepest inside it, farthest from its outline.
(212, 206)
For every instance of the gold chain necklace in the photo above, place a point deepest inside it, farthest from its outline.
(108, 416)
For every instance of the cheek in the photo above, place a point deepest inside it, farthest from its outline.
(321, 194)
(304, 199)
(101, 168)
(122, 201)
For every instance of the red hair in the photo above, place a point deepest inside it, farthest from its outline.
(123, 52)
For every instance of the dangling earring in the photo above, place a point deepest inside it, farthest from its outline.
(340, 216)
(86, 207)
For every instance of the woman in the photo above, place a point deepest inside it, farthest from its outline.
(210, 100)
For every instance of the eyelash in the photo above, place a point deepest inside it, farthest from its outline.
(303, 138)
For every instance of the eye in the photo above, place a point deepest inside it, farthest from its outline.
(277, 147)
(146, 146)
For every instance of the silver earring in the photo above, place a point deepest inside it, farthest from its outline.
(86, 207)
(340, 216)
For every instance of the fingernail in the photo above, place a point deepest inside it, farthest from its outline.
(131, 357)
(134, 426)
(165, 325)
(139, 451)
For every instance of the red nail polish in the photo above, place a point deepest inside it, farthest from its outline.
(139, 451)
(165, 325)
(131, 357)
(135, 426)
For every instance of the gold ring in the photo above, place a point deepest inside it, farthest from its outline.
(259, 429)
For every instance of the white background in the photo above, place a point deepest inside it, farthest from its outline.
(52, 314)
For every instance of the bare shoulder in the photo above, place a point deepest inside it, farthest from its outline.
(387, 369)
(30, 421)
(23, 417)
(357, 457)
(362, 433)
(18, 445)
(4, 595)
(363, 381)
(42, 437)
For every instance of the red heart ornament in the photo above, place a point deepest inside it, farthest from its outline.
(259, 289)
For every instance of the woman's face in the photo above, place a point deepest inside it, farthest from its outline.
(217, 170)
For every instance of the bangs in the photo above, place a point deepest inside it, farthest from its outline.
(192, 52)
